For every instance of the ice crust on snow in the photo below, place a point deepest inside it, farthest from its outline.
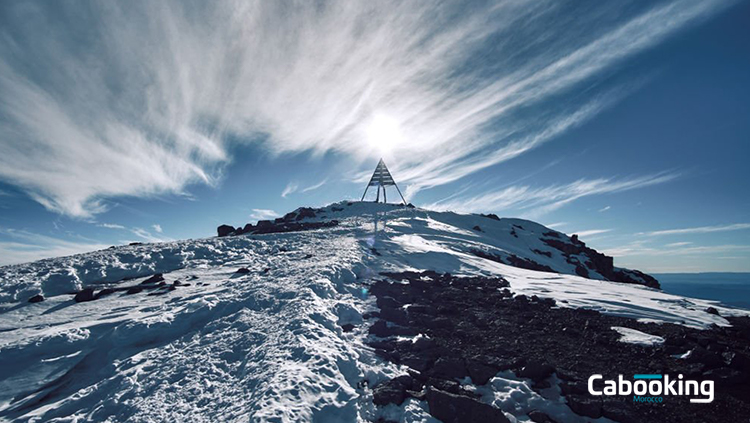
(267, 345)
(632, 336)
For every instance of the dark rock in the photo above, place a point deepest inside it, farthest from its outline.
(536, 370)
(480, 373)
(712, 310)
(392, 391)
(477, 228)
(539, 417)
(263, 224)
(225, 230)
(585, 406)
(38, 298)
(347, 327)
(449, 368)
(158, 277)
(135, 243)
(104, 292)
(243, 271)
(703, 356)
(305, 213)
(87, 294)
(451, 408)
(133, 290)
(726, 376)
(248, 228)
(490, 216)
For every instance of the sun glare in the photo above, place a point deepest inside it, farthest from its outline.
(383, 133)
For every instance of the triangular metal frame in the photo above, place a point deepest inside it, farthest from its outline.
(382, 178)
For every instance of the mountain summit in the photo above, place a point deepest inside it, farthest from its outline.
(354, 312)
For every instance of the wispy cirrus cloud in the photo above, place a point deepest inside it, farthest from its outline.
(592, 232)
(290, 189)
(699, 230)
(19, 246)
(110, 225)
(144, 98)
(315, 186)
(532, 202)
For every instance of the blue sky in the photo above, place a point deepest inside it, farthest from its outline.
(144, 121)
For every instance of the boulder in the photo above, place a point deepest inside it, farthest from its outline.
(347, 327)
(103, 292)
(477, 228)
(243, 271)
(157, 277)
(38, 298)
(585, 406)
(392, 391)
(449, 368)
(480, 373)
(133, 290)
(536, 370)
(225, 230)
(451, 408)
(712, 310)
(539, 417)
(87, 294)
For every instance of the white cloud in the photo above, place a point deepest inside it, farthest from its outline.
(314, 187)
(636, 249)
(149, 102)
(603, 209)
(157, 228)
(290, 188)
(591, 232)
(678, 244)
(263, 214)
(24, 246)
(557, 225)
(110, 226)
(699, 230)
(147, 236)
(532, 202)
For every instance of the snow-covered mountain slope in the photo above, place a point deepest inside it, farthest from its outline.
(284, 339)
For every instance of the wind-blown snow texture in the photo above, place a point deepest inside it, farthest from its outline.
(266, 345)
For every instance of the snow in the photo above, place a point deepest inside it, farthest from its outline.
(632, 336)
(267, 345)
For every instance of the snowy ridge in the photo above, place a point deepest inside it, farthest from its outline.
(266, 345)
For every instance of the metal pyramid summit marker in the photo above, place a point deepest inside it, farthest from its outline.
(381, 178)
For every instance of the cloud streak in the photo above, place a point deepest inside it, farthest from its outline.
(24, 246)
(699, 230)
(146, 98)
(532, 202)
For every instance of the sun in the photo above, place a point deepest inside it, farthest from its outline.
(383, 133)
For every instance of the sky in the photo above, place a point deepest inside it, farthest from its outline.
(624, 122)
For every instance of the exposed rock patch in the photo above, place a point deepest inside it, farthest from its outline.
(474, 326)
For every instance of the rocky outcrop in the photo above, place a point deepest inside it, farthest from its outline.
(573, 248)
(225, 230)
(513, 260)
(86, 294)
(36, 298)
(475, 326)
(290, 222)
